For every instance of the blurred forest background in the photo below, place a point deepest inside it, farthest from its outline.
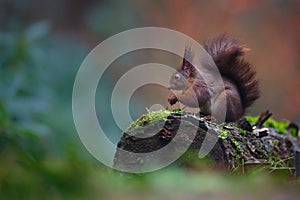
(42, 44)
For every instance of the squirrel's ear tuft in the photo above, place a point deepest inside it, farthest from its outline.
(188, 57)
(188, 53)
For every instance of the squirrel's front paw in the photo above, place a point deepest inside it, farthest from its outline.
(172, 99)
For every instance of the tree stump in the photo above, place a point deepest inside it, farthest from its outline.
(238, 145)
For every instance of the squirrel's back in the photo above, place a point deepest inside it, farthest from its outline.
(226, 53)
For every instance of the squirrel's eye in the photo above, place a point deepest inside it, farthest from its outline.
(177, 76)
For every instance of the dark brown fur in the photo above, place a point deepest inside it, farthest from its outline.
(227, 52)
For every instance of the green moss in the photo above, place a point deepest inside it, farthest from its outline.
(243, 132)
(276, 142)
(237, 145)
(151, 117)
(223, 134)
(177, 111)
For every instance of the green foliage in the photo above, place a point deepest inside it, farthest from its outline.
(294, 132)
(36, 72)
(278, 125)
(251, 119)
(28, 171)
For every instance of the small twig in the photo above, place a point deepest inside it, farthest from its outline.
(263, 118)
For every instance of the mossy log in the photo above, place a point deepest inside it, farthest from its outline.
(238, 145)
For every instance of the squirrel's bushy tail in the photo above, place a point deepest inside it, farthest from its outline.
(227, 52)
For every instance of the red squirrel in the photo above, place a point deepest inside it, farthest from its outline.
(240, 89)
